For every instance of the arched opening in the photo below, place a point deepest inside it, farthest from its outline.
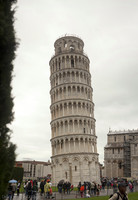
(72, 48)
(72, 61)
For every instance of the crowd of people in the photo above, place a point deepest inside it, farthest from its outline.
(31, 187)
(89, 189)
(12, 188)
(64, 187)
(113, 183)
(85, 189)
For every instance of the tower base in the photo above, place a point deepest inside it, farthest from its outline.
(75, 168)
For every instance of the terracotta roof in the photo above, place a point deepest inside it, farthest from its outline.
(33, 162)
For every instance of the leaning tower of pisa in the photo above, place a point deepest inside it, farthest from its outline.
(73, 140)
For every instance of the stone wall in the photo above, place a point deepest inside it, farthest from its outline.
(121, 154)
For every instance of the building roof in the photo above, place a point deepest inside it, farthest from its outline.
(123, 132)
(34, 162)
(115, 145)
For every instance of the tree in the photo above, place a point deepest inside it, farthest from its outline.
(8, 47)
(18, 173)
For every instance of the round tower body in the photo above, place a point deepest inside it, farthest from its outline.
(73, 139)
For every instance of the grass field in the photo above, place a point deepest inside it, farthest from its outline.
(132, 196)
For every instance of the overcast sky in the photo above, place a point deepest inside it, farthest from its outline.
(109, 29)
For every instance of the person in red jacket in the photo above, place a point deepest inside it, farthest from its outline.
(82, 190)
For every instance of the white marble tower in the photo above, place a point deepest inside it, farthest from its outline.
(74, 141)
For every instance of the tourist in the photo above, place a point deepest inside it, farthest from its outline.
(10, 192)
(130, 186)
(13, 189)
(85, 187)
(95, 188)
(25, 187)
(88, 194)
(114, 187)
(68, 187)
(64, 187)
(18, 188)
(92, 188)
(98, 190)
(82, 190)
(71, 188)
(79, 186)
(42, 187)
(47, 189)
(29, 189)
(34, 190)
(121, 195)
(60, 186)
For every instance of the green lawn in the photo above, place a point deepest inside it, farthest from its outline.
(132, 196)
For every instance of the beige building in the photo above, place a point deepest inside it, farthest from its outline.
(121, 154)
(73, 139)
(34, 169)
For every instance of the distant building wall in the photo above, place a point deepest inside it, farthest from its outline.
(34, 169)
(121, 154)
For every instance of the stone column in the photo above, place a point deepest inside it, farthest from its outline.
(63, 128)
(90, 170)
(72, 108)
(69, 144)
(88, 146)
(67, 109)
(65, 63)
(68, 128)
(63, 109)
(74, 145)
(70, 172)
(61, 176)
(79, 144)
(52, 149)
(80, 165)
(79, 77)
(60, 147)
(91, 146)
(84, 144)
(111, 168)
(78, 126)
(55, 149)
(72, 126)
(95, 147)
(64, 146)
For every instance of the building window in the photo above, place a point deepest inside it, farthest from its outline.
(135, 145)
(115, 139)
(124, 138)
(75, 168)
(118, 150)
(120, 165)
(72, 63)
(84, 130)
(113, 151)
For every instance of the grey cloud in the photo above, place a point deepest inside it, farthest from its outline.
(109, 30)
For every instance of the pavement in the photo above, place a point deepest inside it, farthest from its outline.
(57, 196)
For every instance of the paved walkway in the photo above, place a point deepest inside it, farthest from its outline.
(57, 196)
